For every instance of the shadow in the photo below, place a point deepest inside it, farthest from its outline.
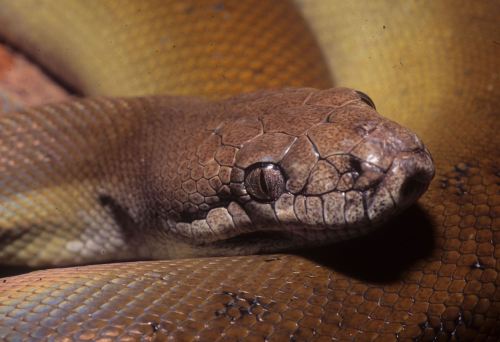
(382, 256)
(55, 79)
(9, 271)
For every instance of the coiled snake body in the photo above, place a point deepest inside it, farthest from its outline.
(159, 177)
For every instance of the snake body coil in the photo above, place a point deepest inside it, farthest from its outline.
(153, 177)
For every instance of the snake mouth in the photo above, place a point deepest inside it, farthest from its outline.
(256, 242)
(376, 196)
(256, 237)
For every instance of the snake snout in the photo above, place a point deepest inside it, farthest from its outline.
(408, 166)
(409, 177)
(414, 186)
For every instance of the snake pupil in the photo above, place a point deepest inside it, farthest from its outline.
(265, 182)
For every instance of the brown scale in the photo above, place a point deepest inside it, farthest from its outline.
(432, 274)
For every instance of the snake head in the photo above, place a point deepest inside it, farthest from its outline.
(304, 167)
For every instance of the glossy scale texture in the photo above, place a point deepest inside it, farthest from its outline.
(433, 273)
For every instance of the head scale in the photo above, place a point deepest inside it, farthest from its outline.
(302, 166)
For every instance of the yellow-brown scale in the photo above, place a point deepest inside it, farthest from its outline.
(435, 275)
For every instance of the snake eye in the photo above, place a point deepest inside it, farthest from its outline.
(366, 99)
(265, 182)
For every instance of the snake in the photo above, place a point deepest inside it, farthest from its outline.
(119, 176)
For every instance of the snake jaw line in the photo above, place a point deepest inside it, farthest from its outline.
(343, 177)
(304, 166)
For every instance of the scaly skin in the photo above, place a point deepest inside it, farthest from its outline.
(431, 274)
(167, 177)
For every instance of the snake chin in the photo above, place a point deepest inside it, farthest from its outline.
(266, 241)
(256, 238)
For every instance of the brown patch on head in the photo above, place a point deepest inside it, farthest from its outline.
(323, 179)
(359, 117)
(294, 120)
(332, 97)
(264, 148)
(331, 139)
(298, 163)
(236, 132)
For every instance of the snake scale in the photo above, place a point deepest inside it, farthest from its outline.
(432, 273)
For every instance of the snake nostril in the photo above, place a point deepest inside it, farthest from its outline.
(413, 187)
(356, 165)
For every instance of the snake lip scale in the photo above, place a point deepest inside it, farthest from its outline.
(262, 239)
